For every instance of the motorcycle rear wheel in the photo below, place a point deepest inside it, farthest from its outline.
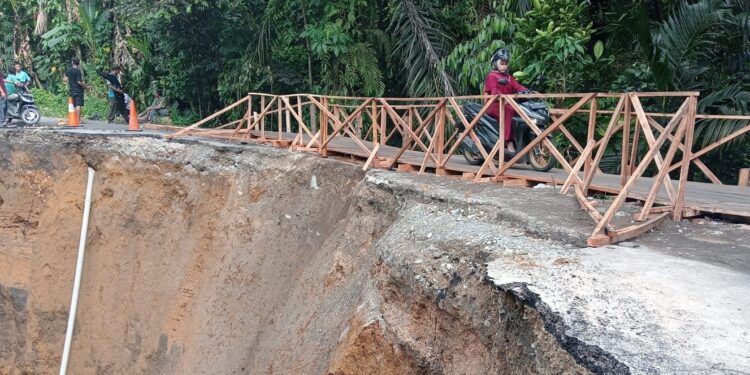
(540, 158)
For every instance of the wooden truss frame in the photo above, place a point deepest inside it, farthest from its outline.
(310, 123)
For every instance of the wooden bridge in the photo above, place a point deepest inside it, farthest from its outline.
(417, 134)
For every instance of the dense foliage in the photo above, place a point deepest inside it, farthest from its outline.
(204, 54)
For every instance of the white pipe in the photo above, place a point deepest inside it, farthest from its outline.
(79, 270)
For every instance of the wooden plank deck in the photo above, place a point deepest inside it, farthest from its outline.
(703, 197)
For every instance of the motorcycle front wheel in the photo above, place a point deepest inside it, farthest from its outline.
(30, 116)
(472, 158)
(540, 158)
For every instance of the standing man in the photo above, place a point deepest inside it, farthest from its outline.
(116, 95)
(75, 85)
(22, 77)
(3, 97)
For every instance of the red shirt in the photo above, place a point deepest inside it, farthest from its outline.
(2, 85)
(493, 87)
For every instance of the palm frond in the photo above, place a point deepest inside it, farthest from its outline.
(688, 33)
(420, 46)
(519, 7)
(730, 100)
(361, 65)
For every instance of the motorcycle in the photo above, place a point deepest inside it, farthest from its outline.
(487, 130)
(21, 106)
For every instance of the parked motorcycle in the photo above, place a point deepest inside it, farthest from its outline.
(20, 106)
(539, 158)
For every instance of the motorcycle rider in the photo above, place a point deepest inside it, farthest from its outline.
(22, 77)
(500, 81)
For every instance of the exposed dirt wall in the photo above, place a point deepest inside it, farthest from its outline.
(246, 260)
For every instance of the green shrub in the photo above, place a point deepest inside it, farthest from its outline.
(182, 118)
(56, 105)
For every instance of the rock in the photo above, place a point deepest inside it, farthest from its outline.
(628, 244)
(314, 182)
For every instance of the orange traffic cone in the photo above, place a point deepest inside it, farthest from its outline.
(72, 115)
(133, 124)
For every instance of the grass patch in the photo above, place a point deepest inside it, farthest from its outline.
(56, 105)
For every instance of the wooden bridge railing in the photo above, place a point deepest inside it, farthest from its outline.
(424, 127)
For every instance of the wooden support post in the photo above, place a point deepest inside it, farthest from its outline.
(301, 123)
(248, 114)
(383, 127)
(439, 137)
(360, 125)
(262, 118)
(288, 119)
(590, 139)
(634, 147)
(324, 128)
(687, 155)
(279, 118)
(374, 124)
(410, 122)
(624, 166)
(744, 179)
(501, 128)
(313, 119)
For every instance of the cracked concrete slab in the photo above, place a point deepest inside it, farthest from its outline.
(654, 312)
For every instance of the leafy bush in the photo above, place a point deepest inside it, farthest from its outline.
(553, 41)
(184, 117)
(56, 105)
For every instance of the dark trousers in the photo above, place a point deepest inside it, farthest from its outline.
(117, 106)
(2, 110)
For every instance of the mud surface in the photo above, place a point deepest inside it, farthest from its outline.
(208, 258)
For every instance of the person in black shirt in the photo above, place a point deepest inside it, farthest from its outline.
(75, 85)
(117, 100)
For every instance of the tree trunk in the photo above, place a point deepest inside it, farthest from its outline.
(307, 47)
(42, 19)
(72, 9)
(659, 10)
